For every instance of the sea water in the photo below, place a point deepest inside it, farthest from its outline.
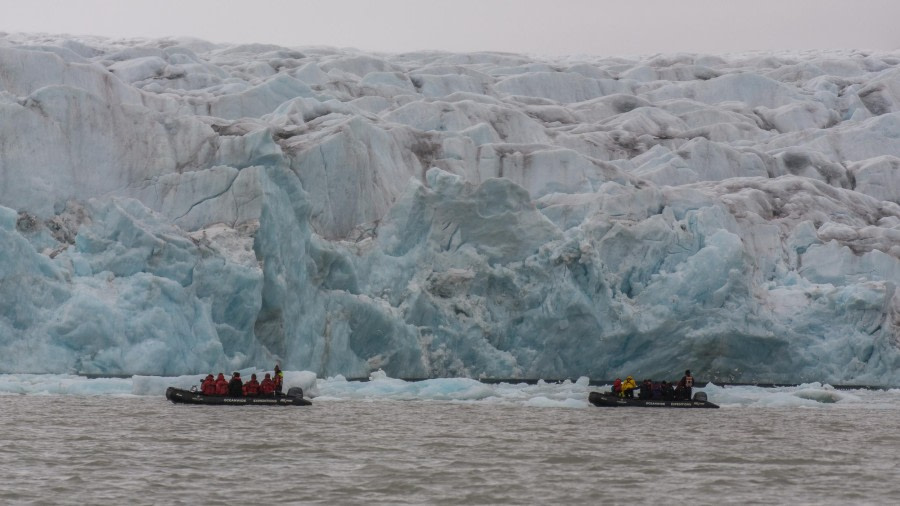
(70, 440)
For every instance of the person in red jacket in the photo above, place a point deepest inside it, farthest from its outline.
(208, 387)
(267, 387)
(251, 387)
(221, 385)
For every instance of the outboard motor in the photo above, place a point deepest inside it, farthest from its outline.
(295, 392)
(700, 396)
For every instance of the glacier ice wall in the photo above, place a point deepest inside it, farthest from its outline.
(176, 206)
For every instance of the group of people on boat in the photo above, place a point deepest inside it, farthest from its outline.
(235, 387)
(651, 390)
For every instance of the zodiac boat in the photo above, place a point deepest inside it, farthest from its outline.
(294, 397)
(604, 399)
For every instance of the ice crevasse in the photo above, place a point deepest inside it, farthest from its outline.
(176, 206)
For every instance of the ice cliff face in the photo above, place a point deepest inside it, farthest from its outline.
(175, 206)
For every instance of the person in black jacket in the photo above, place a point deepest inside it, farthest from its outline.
(686, 385)
(656, 392)
(668, 391)
(236, 386)
(645, 389)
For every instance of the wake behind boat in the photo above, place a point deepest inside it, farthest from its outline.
(294, 397)
(611, 400)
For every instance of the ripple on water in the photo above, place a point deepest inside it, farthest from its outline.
(144, 450)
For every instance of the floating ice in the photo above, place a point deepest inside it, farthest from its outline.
(381, 388)
(808, 395)
(63, 384)
(174, 207)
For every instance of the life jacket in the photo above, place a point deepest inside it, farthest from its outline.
(251, 387)
(617, 386)
(267, 386)
(221, 385)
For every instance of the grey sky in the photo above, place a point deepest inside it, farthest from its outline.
(530, 26)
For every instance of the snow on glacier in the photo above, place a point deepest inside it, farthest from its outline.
(173, 207)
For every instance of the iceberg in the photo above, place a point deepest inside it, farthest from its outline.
(172, 207)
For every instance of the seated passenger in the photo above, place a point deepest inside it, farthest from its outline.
(668, 391)
(267, 387)
(236, 386)
(208, 387)
(221, 385)
(645, 388)
(617, 386)
(656, 392)
(251, 388)
(628, 388)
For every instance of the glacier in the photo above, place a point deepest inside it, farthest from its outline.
(174, 206)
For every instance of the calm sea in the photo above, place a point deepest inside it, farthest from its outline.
(508, 445)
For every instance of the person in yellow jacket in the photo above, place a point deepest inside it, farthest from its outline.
(628, 387)
(279, 380)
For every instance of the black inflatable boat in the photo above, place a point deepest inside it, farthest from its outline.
(294, 397)
(613, 401)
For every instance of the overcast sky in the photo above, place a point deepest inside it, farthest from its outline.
(528, 26)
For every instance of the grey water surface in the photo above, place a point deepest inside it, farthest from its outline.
(145, 450)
